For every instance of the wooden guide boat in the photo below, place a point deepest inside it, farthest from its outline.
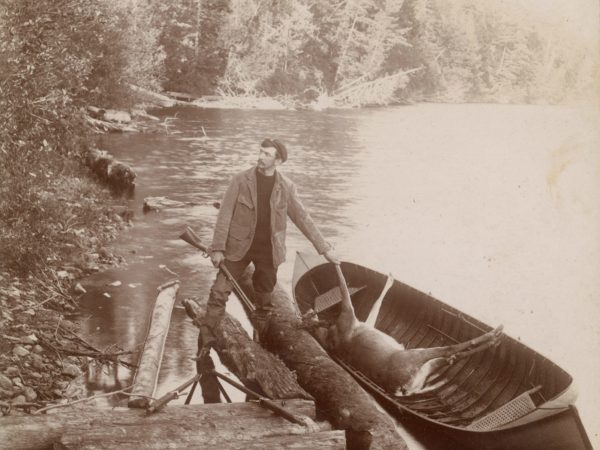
(505, 397)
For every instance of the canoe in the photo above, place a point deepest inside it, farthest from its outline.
(509, 396)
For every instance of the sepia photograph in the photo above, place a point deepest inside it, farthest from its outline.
(269, 224)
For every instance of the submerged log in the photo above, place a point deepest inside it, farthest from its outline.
(338, 396)
(146, 376)
(156, 204)
(227, 425)
(255, 367)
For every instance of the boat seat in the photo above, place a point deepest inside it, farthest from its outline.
(515, 409)
(333, 297)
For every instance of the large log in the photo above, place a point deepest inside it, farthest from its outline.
(192, 426)
(153, 98)
(146, 376)
(255, 367)
(163, 438)
(119, 176)
(338, 396)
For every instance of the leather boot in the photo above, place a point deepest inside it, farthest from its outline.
(264, 308)
(207, 336)
(263, 300)
(209, 322)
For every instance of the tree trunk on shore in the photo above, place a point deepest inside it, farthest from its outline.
(255, 367)
(339, 398)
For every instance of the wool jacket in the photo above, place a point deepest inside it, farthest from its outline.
(236, 222)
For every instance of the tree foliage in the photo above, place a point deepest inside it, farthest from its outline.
(56, 57)
(188, 32)
(468, 50)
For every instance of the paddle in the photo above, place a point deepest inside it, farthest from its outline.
(343, 285)
(158, 404)
(263, 401)
(374, 313)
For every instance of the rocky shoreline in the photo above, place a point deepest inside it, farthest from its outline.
(42, 357)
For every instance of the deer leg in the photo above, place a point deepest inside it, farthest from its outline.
(478, 348)
(425, 354)
(417, 382)
(431, 360)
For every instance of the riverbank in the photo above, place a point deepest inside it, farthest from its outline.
(42, 356)
(60, 206)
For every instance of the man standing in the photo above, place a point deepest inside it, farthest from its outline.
(251, 228)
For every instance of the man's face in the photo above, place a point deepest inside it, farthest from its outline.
(267, 158)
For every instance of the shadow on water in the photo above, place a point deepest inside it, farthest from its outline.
(429, 192)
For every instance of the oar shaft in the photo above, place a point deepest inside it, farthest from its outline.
(158, 404)
(269, 404)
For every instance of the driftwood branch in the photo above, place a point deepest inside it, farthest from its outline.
(81, 400)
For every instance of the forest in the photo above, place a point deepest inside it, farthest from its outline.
(366, 51)
(60, 56)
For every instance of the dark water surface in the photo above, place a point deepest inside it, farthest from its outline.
(485, 206)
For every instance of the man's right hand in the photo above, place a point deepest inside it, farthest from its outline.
(217, 258)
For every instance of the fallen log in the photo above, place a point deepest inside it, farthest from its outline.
(338, 396)
(182, 96)
(152, 98)
(146, 376)
(109, 115)
(140, 113)
(255, 367)
(235, 440)
(176, 426)
(119, 176)
(104, 125)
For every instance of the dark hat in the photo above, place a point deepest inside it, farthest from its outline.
(277, 145)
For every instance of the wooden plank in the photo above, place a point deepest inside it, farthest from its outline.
(184, 431)
(41, 432)
(325, 440)
(146, 376)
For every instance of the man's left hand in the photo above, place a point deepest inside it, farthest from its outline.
(331, 257)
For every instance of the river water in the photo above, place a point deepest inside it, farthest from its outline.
(491, 208)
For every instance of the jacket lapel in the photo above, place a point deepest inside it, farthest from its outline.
(251, 177)
(276, 189)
